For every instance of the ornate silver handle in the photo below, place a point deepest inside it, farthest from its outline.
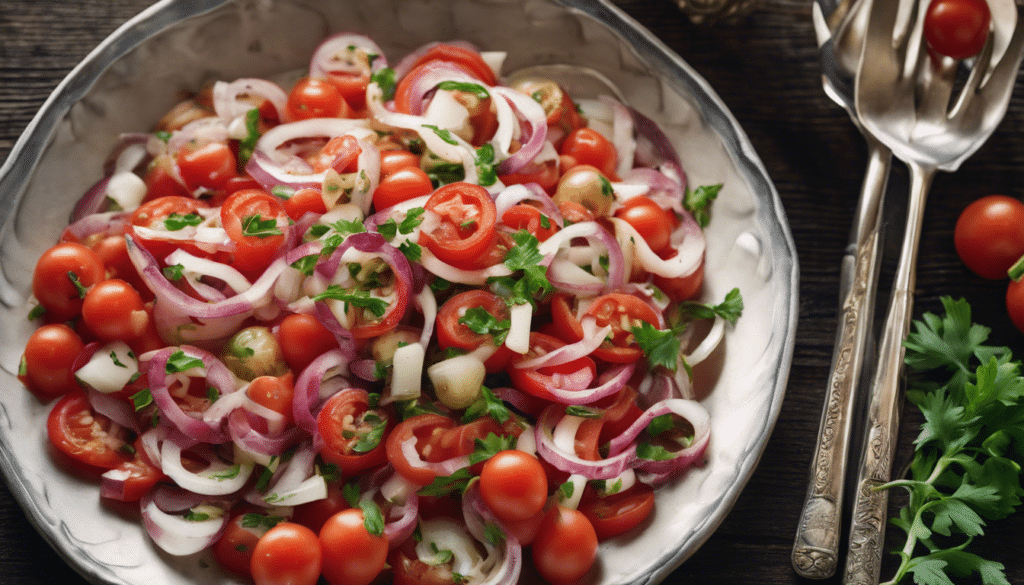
(867, 531)
(816, 548)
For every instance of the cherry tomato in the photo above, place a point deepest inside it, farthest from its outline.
(233, 550)
(957, 28)
(316, 98)
(587, 146)
(352, 556)
(288, 554)
(618, 513)
(162, 180)
(461, 439)
(573, 212)
(352, 432)
(989, 235)
(255, 221)
(50, 353)
(452, 333)
(545, 174)
(401, 185)
(466, 59)
(155, 213)
(681, 288)
(513, 485)
(275, 393)
(538, 381)
(314, 514)
(565, 547)
(466, 228)
(91, 440)
(303, 339)
(527, 217)
(421, 428)
(209, 166)
(113, 251)
(352, 79)
(341, 153)
(648, 218)
(303, 201)
(142, 475)
(150, 339)
(1015, 303)
(61, 276)
(622, 312)
(394, 160)
(113, 310)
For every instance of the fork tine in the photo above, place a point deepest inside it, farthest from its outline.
(998, 87)
(973, 82)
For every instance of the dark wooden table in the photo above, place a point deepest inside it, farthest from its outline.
(765, 68)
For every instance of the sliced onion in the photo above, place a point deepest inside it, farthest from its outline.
(328, 59)
(406, 63)
(535, 131)
(515, 194)
(692, 411)
(176, 535)
(441, 468)
(593, 337)
(622, 134)
(595, 235)
(218, 479)
(568, 461)
(270, 166)
(217, 376)
(687, 240)
(308, 396)
(506, 569)
(235, 99)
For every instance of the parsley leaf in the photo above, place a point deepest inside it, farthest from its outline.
(480, 320)
(729, 309)
(256, 226)
(487, 405)
(179, 362)
(358, 298)
(176, 221)
(464, 86)
(698, 201)
(661, 346)
(524, 256)
(247, 145)
(385, 78)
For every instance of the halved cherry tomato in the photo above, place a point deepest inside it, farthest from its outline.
(401, 185)
(233, 550)
(256, 222)
(142, 475)
(113, 251)
(408, 569)
(208, 166)
(529, 218)
(113, 310)
(466, 59)
(622, 312)
(419, 428)
(162, 180)
(461, 439)
(652, 222)
(49, 357)
(587, 146)
(341, 153)
(617, 513)
(91, 440)
(539, 381)
(303, 338)
(573, 212)
(62, 275)
(452, 333)
(316, 98)
(352, 432)
(466, 228)
(154, 214)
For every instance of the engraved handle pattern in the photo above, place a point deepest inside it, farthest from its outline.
(816, 547)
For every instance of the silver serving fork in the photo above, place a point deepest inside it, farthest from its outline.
(907, 101)
(840, 30)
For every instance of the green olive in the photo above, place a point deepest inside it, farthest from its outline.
(587, 186)
(254, 352)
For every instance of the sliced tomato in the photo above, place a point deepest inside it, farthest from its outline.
(401, 185)
(681, 288)
(143, 474)
(461, 439)
(538, 381)
(316, 98)
(422, 427)
(622, 312)
(529, 218)
(155, 213)
(256, 222)
(91, 440)
(617, 513)
(451, 332)
(209, 166)
(352, 432)
(466, 228)
(587, 146)
(340, 153)
(162, 180)
(303, 201)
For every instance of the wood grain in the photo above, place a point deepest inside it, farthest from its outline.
(766, 71)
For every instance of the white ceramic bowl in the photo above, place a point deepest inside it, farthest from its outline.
(134, 76)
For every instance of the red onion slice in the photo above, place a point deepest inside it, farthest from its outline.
(570, 462)
(176, 535)
(308, 395)
(333, 56)
(217, 376)
(690, 410)
(235, 99)
(506, 569)
(534, 132)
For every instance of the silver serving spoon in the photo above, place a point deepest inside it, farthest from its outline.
(840, 31)
(906, 99)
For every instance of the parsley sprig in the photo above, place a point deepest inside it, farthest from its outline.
(661, 346)
(967, 457)
(523, 259)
